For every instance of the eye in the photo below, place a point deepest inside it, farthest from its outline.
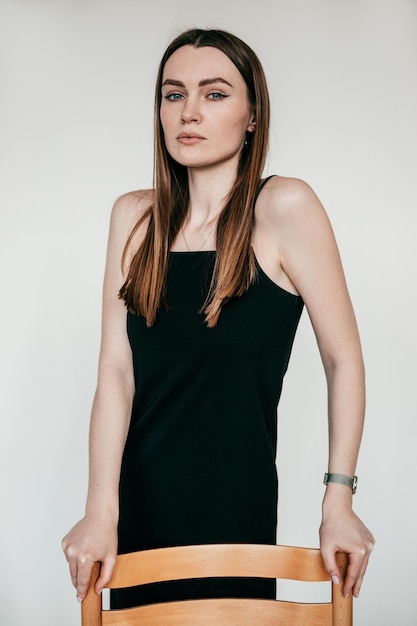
(173, 96)
(216, 95)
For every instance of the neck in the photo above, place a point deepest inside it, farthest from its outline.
(209, 190)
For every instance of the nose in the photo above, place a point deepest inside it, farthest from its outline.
(190, 112)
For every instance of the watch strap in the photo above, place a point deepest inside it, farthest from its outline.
(342, 479)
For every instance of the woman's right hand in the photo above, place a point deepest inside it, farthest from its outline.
(88, 541)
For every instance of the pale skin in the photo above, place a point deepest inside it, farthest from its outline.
(205, 121)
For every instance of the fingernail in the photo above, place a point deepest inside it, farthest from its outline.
(335, 580)
(79, 598)
(346, 595)
(357, 595)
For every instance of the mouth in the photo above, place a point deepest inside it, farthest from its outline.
(189, 138)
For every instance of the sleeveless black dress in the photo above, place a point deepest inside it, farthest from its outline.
(199, 461)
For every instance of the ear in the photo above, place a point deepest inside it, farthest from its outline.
(251, 125)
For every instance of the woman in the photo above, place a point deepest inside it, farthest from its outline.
(212, 269)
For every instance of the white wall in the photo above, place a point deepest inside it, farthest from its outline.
(76, 131)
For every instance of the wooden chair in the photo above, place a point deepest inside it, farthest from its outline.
(221, 560)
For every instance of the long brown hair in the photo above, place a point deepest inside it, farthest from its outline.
(234, 269)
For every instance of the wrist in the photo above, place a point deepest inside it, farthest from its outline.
(336, 498)
(103, 509)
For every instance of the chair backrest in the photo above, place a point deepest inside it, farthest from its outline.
(234, 560)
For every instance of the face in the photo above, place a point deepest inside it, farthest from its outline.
(205, 111)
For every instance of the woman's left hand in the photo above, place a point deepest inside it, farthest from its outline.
(341, 530)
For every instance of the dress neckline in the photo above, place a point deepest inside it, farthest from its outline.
(261, 271)
(192, 251)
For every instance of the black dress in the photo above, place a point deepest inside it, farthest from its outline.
(199, 462)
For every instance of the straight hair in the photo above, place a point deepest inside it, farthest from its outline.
(144, 290)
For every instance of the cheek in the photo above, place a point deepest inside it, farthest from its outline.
(167, 124)
(237, 125)
(163, 119)
(166, 117)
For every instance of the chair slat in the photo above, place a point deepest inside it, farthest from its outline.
(200, 561)
(284, 562)
(245, 612)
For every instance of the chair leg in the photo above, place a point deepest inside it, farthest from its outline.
(91, 606)
(342, 607)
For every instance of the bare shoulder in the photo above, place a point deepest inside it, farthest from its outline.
(131, 206)
(286, 199)
(126, 214)
(291, 226)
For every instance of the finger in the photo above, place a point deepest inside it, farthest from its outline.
(106, 572)
(354, 575)
(358, 562)
(358, 583)
(351, 575)
(85, 566)
(72, 562)
(73, 568)
(329, 560)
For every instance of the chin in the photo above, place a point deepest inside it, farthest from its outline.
(204, 162)
(189, 162)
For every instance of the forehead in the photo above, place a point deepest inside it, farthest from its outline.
(190, 64)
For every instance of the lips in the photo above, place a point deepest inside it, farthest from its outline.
(189, 138)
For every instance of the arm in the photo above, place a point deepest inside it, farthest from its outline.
(310, 259)
(94, 538)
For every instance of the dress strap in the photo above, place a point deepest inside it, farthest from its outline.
(262, 185)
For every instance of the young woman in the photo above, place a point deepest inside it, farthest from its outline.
(205, 282)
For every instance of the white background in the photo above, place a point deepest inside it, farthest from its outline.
(76, 132)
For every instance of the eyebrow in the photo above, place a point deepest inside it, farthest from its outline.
(202, 83)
